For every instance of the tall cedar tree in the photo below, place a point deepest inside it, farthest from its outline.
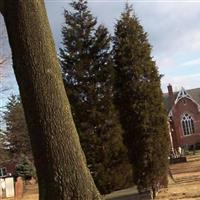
(17, 138)
(139, 101)
(88, 77)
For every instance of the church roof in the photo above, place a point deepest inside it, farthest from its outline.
(193, 93)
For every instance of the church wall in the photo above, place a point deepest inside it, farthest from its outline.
(183, 106)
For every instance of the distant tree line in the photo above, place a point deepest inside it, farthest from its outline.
(15, 142)
(113, 86)
(16, 135)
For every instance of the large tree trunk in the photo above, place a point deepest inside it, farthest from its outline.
(60, 163)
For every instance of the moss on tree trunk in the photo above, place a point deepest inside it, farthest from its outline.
(59, 160)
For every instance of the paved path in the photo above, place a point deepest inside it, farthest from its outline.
(127, 194)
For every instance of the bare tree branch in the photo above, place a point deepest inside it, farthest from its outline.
(2, 61)
(5, 55)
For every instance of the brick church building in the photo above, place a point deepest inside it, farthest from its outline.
(184, 116)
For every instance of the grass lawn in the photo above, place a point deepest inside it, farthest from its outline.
(186, 187)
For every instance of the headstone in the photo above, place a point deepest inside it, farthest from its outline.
(19, 188)
(32, 181)
(0, 190)
(10, 192)
(178, 160)
(2, 187)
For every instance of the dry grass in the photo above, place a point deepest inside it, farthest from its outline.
(187, 185)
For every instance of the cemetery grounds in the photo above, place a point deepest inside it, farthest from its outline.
(186, 187)
(187, 177)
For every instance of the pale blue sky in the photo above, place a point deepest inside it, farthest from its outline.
(173, 28)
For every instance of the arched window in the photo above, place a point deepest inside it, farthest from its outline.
(187, 124)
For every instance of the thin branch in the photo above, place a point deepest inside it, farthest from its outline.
(2, 61)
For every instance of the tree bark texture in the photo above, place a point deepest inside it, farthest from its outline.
(59, 160)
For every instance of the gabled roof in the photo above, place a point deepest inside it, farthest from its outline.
(181, 94)
(193, 94)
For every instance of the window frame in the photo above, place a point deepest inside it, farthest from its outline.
(187, 124)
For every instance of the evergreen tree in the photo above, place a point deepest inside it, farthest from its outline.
(25, 168)
(138, 98)
(17, 138)
(88, 77)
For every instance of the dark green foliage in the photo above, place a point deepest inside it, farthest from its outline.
(139, 101)
(88, 77)
(25, 168)
(17, 138)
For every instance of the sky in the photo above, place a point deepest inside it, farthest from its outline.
(173, 29)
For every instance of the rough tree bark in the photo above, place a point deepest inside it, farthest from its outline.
(60, 163)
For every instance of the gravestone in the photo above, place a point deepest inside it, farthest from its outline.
(2, 187)
(10, 192)
(0, 191)
(19, 188)
(178, 160)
